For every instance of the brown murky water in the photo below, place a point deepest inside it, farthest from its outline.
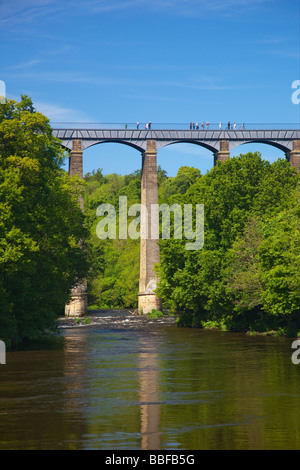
(123, 382)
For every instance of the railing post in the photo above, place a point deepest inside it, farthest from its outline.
(77, 306)
(149, 249)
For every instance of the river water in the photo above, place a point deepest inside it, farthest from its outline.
(126, 382)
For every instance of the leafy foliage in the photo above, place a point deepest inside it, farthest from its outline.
(246, 275)
(114, 264)
(41, 224)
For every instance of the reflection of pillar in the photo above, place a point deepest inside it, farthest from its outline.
(149, 397)
(71, 391)
(78, 303)
(149, 249)
(294, 155)
(223, 153)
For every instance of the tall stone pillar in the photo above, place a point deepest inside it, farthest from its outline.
(78, 304)
(149, 249)
(76, 163)
(223, 153)
(294, 155)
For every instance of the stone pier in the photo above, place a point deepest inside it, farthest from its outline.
(78, 304)
(76, 164)
(294, 156)
(223, 154)
(149, 249)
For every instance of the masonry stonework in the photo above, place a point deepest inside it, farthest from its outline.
(78, 304)
(294, 155)
(77, 307)
(223, 153)
(149, 249)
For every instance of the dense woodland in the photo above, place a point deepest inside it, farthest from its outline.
(114, 264)
(245, 278)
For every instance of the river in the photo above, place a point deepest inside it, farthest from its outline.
(127, 382)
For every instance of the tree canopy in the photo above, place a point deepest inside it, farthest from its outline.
(245, 277)
(41, 224)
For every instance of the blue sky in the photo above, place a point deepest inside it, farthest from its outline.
(168, 61)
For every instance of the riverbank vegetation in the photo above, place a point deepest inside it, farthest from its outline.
(41, 224)
(114, 264)
(246, 276)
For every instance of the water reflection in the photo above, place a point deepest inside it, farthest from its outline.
(149, 396)
(129, 385)
(38, 391)
(75, 400)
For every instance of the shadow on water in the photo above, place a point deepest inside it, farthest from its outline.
(128, 382)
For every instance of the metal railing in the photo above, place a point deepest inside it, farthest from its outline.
(175, 126)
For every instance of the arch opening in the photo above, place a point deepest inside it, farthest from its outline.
(187, 153)
(193, 142)
(116, 141)
(270, 151)
(112, 157)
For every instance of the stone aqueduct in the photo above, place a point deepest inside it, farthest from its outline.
(148, 142)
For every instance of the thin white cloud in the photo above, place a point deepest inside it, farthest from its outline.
(203, 86)
(59, 77)
(24, 65)
(185, 7)
(22, 12)
(287, 54)
(205, 83)
(268, 41)
(189, 149)
(57, 113)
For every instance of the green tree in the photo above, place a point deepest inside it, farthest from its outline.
(263, 272)
(244, 278)
(114, 264)
(196, 283)
(41, 224)
(186, 176)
